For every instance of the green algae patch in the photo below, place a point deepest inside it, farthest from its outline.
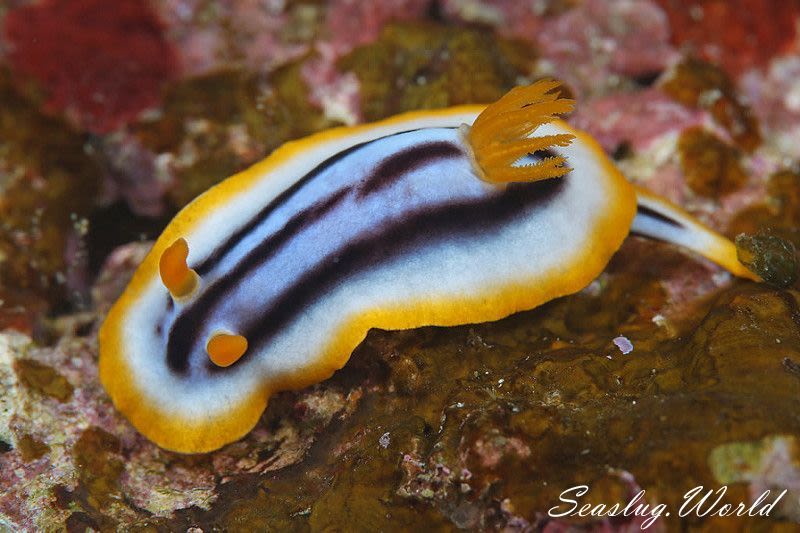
(426, 66)
(754, 462)
(696, 83)
(735, 462)
(711, 166)
(769, 256)
(44, 379)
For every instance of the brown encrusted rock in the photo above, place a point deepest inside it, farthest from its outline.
(424, 66)
(769, 256)
(48, 186)
(712, 168)
(510, 413)
(778, 213)
(216, 125)
(493, 421)
(699, 84)
(43, 378)
(69, 459)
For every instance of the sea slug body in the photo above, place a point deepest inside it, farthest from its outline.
(269, 280)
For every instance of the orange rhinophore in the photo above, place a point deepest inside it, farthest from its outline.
(501, 135)
(176, 275)
(224, 349)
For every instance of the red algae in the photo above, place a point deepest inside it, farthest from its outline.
(100, 66)
(737, 34)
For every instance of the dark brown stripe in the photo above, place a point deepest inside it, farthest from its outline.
(394, 167)
(464, 220)
(646, 211)
(477, 216)
(180, 337)
(225, 247)
(425, 228)
(189, 320)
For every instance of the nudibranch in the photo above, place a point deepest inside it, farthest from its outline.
(269, 280)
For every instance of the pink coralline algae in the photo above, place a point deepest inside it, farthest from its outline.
(648, 131)
(588, 45)
(643, 128)
(775, 96)
(603, 39)
(770, 464)
(512, 18)
(349, 24)
(66, 443)
(100, 66)
(265, 36)
(135, 173)
(635, 118)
